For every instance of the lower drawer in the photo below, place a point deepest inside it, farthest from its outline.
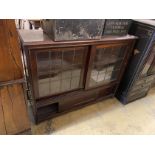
(143, 83)
(140, 87)
(139, 91)
(148, 80)
(71, 100)
(81, 98)
(136, 96)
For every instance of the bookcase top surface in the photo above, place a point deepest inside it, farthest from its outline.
(38, 37)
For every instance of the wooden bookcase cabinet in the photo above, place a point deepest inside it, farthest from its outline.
(65, 75)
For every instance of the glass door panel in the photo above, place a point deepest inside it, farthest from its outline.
(60, 70)
(106, 65)
(43, 71)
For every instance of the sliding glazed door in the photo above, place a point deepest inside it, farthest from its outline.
(106, 64)
(59, 70)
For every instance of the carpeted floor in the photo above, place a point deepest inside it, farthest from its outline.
(106, 117)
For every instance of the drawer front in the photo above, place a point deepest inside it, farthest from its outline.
(72, 100)
(83, 97)
(139, 91)
(106, 92)
(141, 87)
(144, 81)
(136, 96)
(139, 82)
